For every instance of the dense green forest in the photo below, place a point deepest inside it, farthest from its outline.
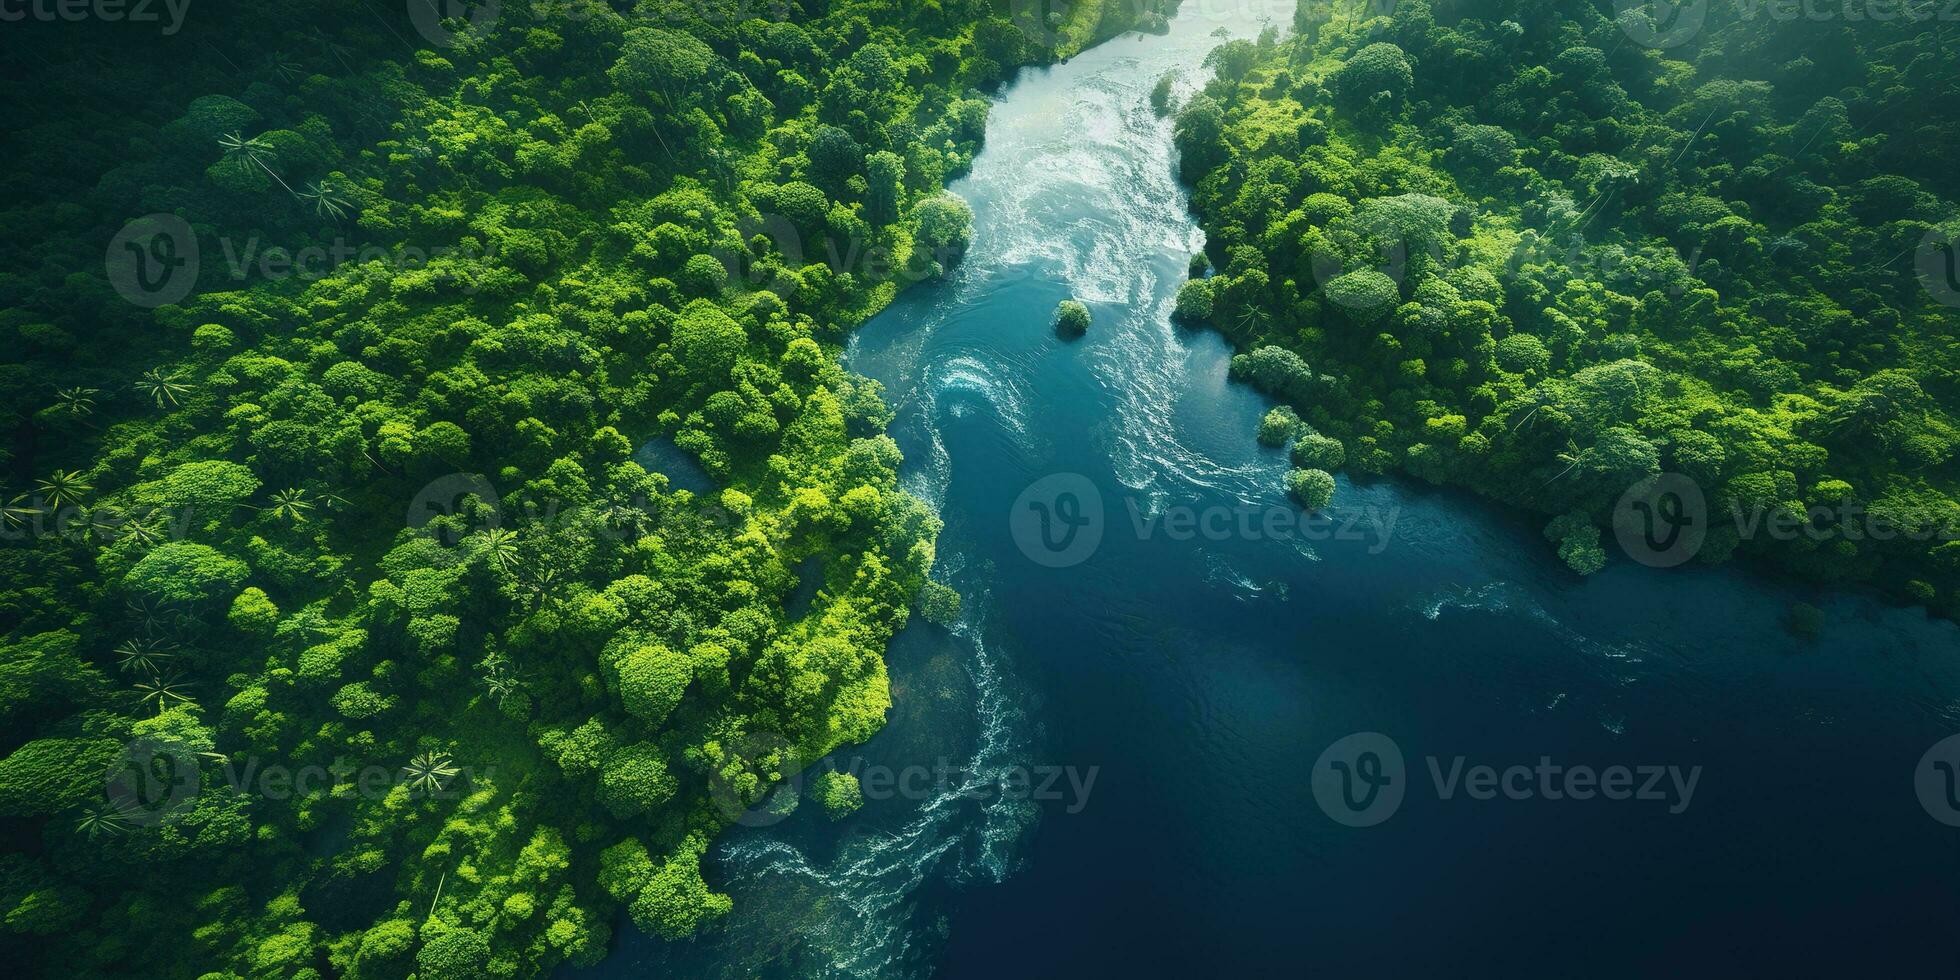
(1548, 251)
(345, 635)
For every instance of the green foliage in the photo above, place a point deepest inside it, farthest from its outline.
(1313, 489)
(1538, 261)
(1377, 72)
(1279, 426)
(1578, 542)
(939, 603)
(383, 515)
(838, 793)
(1805, 620)
(943, 224)
(1314, 451)
(181, 571)
(674, 901)
(1071, 318)
(49, 775)
(453, 954)
(651, 681)
(1194, 303)
(635, 780)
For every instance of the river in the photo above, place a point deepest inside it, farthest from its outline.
(1174, 669)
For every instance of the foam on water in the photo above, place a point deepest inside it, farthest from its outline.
(868, 892)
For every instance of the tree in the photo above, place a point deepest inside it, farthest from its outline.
(1071, 319)
(48, 775)
(672, 63)
(1194, 302)
(635, 780)
(838, 793)
(1279, 426)
(184, 572)
(453, 954)
(1199, 134)
(884, 177)
(675, 901)
(1275, 370)
(707, 341)
(1364, 294)
(940, 604)
(1578, 542)
(652, 679)
(1378, 70)
(1314, 451)
(1314, 489)
(834, 157)
(1233, 59)
(943, 224)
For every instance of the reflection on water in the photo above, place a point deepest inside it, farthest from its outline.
(1201, 674)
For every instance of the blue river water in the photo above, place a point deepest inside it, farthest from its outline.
(1173, 672)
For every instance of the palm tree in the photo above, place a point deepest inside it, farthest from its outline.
(143, 655)
(543, 586)
(164, 692)
(150, 613)
(1250, 319)
(286, 69)
(1572, 457)
(145, 530)
(77, 401)
(63, 487)
(500, 684)
(501, 546)
(326, 200)
(18, 510)
(245, 153)
(248, 153)
(319, 39)
(112, 817)
(426, 772)
(164, 386)
(290, 505)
